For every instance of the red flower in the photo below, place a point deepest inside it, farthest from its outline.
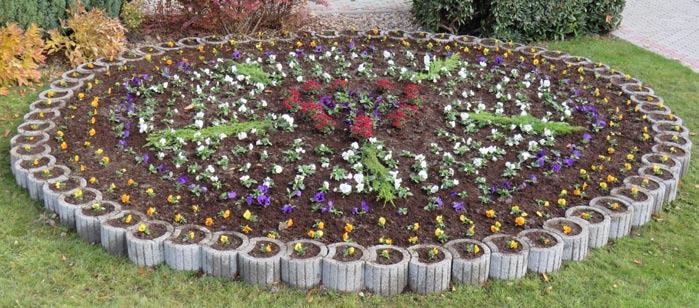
(338, 84)
(385, 85)
(411, 92)
(311, 86)
(400, 116)
(292, 101)
(362, 127)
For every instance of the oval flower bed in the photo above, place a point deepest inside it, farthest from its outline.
(357, 139)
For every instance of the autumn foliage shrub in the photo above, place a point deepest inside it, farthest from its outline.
(87, 35)
(240, 16)
(20, 55)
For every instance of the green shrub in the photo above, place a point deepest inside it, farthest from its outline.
(603, 16)
(524, 20)
(47, 13)
(132, 15)
(519, 20)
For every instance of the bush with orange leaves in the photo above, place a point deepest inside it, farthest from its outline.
(20, 55)
(87, 35)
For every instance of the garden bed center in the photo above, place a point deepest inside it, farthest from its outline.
(370, 138)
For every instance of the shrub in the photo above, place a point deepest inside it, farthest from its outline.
(524, 20)
(243, 16)
(604, 15)
(48, 13)
(87, 35)
(132, 14)
(20, 55)
(520, 20)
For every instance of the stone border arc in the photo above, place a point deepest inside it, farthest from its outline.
(336, 274)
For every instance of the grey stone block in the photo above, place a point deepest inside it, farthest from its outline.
(389, 279)
(88, 227)
(261, 271)
(642, 210)
(599, 232)
(655, 188)
(670, 184)
(16, 154)
(507, 265)
(575, 246)
(620, 224)
(543, 259)
(51, 196)
(303, 273)
(22, 174)
(36, 138)
(26, 128)
(222, 263)
(680, 154)
(344, 276)
(147, 252)
(425, 278)
(66, 210)
(469, 271)
(113, 239)
(184, 257)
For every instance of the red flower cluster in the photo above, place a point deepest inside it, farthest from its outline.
(311, 86)
(362, 127)
(411, 92)
(385, 85)
(338, 84)
(399, 117)
(292, 102)
(313, 111)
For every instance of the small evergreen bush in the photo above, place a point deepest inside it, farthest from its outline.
(48, 13)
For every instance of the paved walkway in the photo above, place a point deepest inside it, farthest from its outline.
(361, 6)
(667, 27)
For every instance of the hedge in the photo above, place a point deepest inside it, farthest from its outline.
(519, 20)
(48, 13)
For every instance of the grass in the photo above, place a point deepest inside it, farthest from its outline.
(557, 128)
(657, 265)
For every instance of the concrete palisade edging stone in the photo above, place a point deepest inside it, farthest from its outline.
(620, 224)
(66, 210)
(425, 278)
(469, 271)
(506, 265)
(222, 263)
(147, 252)
(344, 276)
(642, 208)
(113, 238)
(575, 246)
(543, 259)
(89, 227)
(184, 256)
(670, 135)
(386, 279)
(264, 271)
(599, 231)
(303, 273)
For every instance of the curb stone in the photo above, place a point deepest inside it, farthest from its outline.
(113, 239)
(386, 279)
(344, 276)
(575, 247)
(469, 271)
(506, 265)
(222, 263)
(89, 228)
(261, 271)
(303, 273)
(147, 252)
(184, 257)
(543, 259)
(599, 232)
(428, 278)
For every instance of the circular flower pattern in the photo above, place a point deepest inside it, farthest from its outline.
(370, 137)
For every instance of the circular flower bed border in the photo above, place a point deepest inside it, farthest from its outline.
(127, 233)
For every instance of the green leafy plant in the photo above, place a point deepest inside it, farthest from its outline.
(438, 66)
(132, 14)
(87, 35)
(188, 134)
(380, 178)
(558, 128)
(20, 55)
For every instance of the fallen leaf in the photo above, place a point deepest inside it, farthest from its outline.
(6, 133)
(4, 91)
(637, 262)
(64, 258)
(546, 277)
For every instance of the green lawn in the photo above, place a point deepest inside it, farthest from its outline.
(44, 264)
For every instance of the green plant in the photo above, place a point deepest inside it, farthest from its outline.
(604, 15)
(132, 14)
(520, 20)
(87, 35)
(538, 126)
(20, 55)
(188, 134)
(48, 13)
(438, 66)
